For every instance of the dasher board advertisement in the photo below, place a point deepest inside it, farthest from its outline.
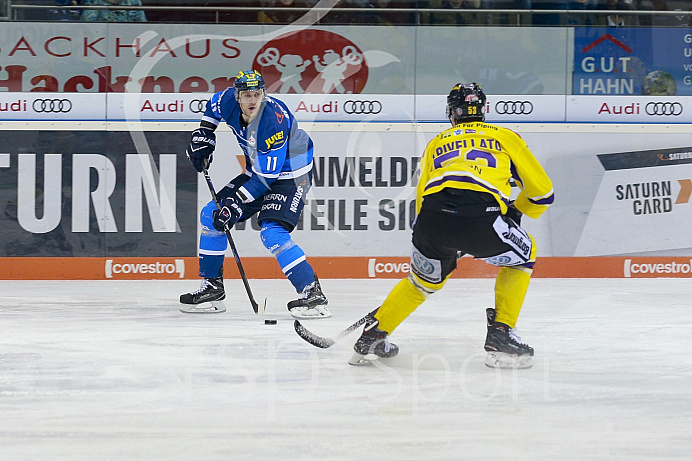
(632, 61)
(642, 204)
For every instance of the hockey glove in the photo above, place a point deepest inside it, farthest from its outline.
(201, 148)
(513, 213)
(228, 214)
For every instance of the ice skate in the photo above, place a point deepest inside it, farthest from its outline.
(372, 345)
(207, 300)
(312, 303)
(504, 347)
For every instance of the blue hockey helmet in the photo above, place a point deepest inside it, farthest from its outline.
(248, 80)
(466, 103)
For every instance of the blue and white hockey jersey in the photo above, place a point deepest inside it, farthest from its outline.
(274, 147)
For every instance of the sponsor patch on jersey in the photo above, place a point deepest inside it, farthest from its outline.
(515, 237)
(509, 258)
(429, 270)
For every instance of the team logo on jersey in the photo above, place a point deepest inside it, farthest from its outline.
(312, 61)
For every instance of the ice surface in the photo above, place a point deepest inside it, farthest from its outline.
(111, 370)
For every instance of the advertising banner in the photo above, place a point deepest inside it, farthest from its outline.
(195, 58)
(78, 57)
(125, 205)
(52, 106)
(346, 108)
(642, 204)
(629, 109)
(632, 61)
(93, 193)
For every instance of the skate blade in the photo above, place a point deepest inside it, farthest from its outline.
(359, 360)
(503, 360)
(317, 312)
(212, 307)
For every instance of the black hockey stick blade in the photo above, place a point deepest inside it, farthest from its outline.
(260, 308)
(324, 343)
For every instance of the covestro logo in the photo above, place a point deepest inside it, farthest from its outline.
(384, 268)
(636, 268)
(144, 270)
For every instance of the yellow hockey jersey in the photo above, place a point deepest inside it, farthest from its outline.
(483, 157)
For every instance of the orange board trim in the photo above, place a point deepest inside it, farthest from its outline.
(361, 267)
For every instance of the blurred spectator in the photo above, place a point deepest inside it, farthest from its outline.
(204, 11)
(338, 15)
(458, 13)
(505, 18)
(683, 20)
(113, 15)
(548, 19)
(582, 19)
(618, 16)
(65, 14)
(387, 18)
(281, 17)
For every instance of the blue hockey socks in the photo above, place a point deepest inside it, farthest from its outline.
(290, 256)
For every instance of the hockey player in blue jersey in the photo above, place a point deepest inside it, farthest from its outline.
(278, 175)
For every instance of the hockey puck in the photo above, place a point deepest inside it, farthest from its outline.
(270, 322)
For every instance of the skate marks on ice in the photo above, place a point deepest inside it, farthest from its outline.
(113, 369)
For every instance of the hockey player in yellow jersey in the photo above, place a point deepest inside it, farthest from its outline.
(463, 206)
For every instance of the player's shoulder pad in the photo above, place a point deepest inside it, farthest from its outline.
(275, 116)
(221, 99)
(275, 125)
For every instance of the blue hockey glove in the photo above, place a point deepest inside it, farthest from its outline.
(228, 214)
(201, 148)
(513, 213)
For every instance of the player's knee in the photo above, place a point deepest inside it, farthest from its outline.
(526, 267)
(206, 219)
(423, 286)
(275, 237)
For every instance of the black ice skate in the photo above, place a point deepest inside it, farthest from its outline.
(504, 347)
(372, 344)
(207, 300)
(312, 303)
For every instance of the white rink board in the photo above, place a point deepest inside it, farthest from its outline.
(367, 211)
(364, 108)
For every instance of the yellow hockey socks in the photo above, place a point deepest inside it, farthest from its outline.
(404, 298)
(511, 285)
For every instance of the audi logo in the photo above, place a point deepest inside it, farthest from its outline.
(52, 105)
(362, 107)
(513, 107)
(198, 106)
(664, 108)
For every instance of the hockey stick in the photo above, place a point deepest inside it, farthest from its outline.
(324, 343)
(258, 308)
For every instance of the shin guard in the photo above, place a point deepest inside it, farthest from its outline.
(511, 285)
(404, 298)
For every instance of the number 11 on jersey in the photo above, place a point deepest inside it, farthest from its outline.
(271, 163)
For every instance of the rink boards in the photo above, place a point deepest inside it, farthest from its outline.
(109, 200)
(133, 268)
